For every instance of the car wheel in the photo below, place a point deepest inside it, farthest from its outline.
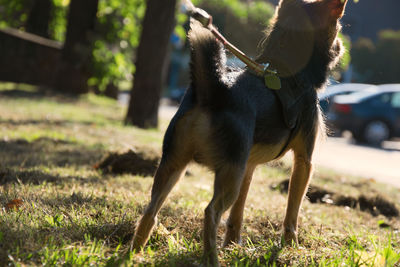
(375, 132)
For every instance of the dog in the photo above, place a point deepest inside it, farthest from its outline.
(231, 122)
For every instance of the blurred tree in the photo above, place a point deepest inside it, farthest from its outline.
(58, 21)
(387, 57)
(361, 54)
(378, 63)
(75, 71)
(117, 37)
(14, 13)
(39, 18)
(47, 15)
(150, 63)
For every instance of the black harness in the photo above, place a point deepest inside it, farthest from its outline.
(290, 109)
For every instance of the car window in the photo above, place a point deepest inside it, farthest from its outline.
(396, 100)
(382, 99)
(364, 94)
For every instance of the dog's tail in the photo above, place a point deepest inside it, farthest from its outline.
(207, 64)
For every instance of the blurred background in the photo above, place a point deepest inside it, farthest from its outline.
(96, 41)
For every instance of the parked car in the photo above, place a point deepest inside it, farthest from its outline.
(372, 115)
(326, 97)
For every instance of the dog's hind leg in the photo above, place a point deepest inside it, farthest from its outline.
(228, 179)
(234, 223)
(177, 152)
(167, 175)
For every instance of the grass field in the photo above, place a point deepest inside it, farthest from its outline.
(57, 209)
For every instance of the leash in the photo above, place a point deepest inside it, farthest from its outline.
(270, 76)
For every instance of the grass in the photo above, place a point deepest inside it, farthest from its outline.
(73, 215)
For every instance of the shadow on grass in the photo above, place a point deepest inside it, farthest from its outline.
(189, 259)
(61, 123)
(36, 177)
(46, 152)
(37, 93)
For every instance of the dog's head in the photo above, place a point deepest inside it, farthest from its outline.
(300, 30)
(311, 17)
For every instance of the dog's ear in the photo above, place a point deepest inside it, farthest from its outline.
(337, 7)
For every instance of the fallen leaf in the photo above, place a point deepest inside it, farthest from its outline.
(14, 204)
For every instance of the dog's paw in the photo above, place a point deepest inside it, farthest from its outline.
(289, 238)
(232, 238)
(210, 258)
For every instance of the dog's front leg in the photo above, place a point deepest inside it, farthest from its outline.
(297, 187)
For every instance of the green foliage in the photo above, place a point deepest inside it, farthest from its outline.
(362, 50)
(181, 19)
(14, 13)
(117, 33)
(378, 63)
(117, 36)
(346, 58)
(58, 23)
(258, 11)
(54, 221)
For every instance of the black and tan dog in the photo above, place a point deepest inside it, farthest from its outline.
(231, 122)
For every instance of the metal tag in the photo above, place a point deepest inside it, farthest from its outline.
(272, 81)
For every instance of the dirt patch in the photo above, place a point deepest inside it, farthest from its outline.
(375, 205)
(133, 162)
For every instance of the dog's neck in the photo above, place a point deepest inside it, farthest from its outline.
(301, 56)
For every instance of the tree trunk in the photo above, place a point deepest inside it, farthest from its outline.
(158, 24)
(77, 51)
(39, 18)
(111, 91)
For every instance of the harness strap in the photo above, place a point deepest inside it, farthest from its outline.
(290, 114)
(285, 147)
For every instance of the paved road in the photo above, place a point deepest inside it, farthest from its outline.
(341, 155)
